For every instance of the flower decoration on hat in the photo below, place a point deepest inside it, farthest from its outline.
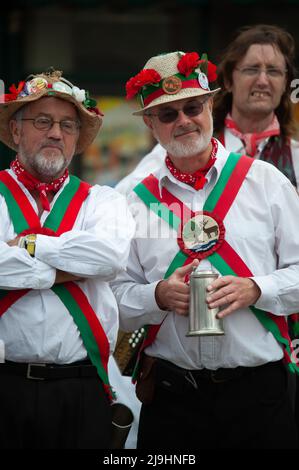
(175, 74)
(80, 95)
(38, 84)
(14, 92)
(143, 78)
(190, 61)
(208, 67)
(90, 103)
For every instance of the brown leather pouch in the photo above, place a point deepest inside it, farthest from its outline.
(145, 386)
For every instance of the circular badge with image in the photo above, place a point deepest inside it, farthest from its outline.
(201, 235)
(62, 88)
(172, 85)
(36, 85)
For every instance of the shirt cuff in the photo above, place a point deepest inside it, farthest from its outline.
(44, 275)
(155, 314)
(268, 299)
(45, 247)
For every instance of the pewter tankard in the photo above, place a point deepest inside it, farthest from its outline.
(202, 320)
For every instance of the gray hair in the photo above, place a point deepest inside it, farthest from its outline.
(18, 115)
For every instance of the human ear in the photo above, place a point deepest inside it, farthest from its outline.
(228, 85)
(147, 121)
(15, 129)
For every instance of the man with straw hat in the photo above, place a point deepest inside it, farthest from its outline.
(212, 210)
(61, 242)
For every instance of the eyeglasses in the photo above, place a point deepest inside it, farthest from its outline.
(271, 72)
(43, 123)
(168, 115)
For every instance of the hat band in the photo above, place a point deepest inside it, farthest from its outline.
(39, 84)
(156, 94)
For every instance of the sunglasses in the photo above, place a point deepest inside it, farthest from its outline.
(167, 115)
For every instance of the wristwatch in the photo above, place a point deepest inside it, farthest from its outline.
(28, 242)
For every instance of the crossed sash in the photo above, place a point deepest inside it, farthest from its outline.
(61, 219)
(202, 235)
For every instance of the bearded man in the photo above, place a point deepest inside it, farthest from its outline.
(192, 384)
(61, 241)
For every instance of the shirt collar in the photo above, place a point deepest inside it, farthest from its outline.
(164, 175)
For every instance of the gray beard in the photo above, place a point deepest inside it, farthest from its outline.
(48, 166)
(186, 150)
(44, 166)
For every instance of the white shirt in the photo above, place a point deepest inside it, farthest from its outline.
(152, 161)
(38, 327)
(262, 226)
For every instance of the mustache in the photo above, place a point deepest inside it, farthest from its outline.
(52, 143)
(185, 129)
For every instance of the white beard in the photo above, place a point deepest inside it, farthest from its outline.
(185, 150)
(49, 166)
(192, 148)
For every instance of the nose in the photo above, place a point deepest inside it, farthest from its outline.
(262, 77)
(182, 118)
(55, 131)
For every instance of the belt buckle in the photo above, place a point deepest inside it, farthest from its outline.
(29, 376)
(214, 379)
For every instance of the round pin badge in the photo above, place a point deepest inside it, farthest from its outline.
(203, 81)
(172, 85)
(201, 235)
(62, 88)
(35, 85)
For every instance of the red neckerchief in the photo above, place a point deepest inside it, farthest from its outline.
(251, 140)
(32, 183)
(197, 179)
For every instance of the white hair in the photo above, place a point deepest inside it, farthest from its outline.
(18, 116)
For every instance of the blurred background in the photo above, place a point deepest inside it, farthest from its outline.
(99, 45)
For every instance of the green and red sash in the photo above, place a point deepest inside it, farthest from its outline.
(223, 257)
(60, 220)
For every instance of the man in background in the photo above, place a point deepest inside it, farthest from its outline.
(253, 111)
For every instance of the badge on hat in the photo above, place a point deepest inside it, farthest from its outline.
(62, 88)
(35, 85)
(203, 81)
(201, 235)
(172, 85)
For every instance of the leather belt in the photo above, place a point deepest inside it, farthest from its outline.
(180, 380)
(41, 371)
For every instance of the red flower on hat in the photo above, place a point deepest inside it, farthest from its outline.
(14, 92)
(212, 68)
(145, 77)
(188, 63)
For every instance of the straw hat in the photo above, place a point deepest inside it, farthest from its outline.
(51, 84)
(171, 77)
